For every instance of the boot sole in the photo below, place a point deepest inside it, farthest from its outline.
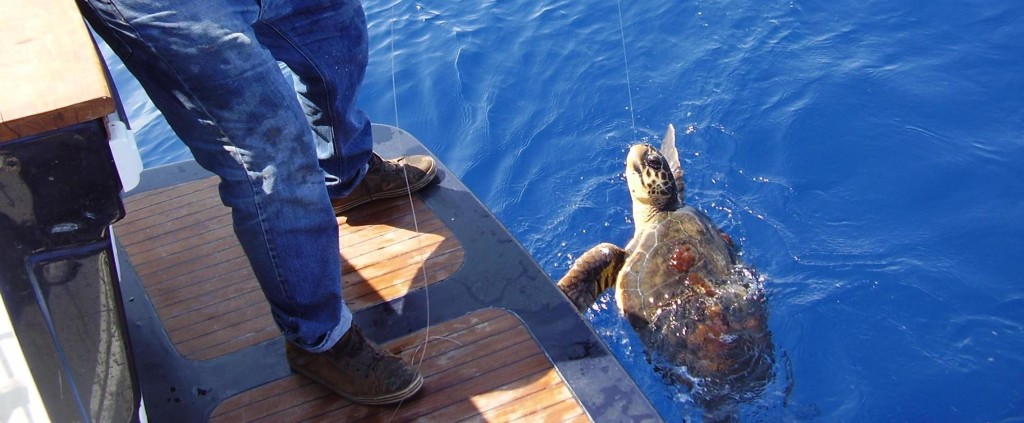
(430, 174)
(405, 393)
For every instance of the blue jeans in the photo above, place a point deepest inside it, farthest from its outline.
(282, 148)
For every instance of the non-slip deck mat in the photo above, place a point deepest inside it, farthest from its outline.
(483, 366)
(181, 243)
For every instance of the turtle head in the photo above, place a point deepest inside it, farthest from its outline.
(655, 180)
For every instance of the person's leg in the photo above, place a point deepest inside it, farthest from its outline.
(224, 95)
(324, 43)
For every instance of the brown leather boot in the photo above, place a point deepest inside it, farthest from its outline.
(358, 370)
(386, 179)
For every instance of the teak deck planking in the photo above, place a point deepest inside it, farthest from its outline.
(484, 366)
(185, 252)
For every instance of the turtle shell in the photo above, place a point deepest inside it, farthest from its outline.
(693, 303)
(677, 246)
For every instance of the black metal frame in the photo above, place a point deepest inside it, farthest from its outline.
(57, 276)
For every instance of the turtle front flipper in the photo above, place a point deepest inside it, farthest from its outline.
(591, 274)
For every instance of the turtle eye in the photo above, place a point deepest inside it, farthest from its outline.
(653, 161)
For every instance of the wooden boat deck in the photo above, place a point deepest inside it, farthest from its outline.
(501, 343)
(188, 258)
(483, 366)
(190, 262)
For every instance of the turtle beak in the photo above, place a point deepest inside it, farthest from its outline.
(634, 158)
(634, 153)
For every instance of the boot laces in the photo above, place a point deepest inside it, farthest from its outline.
(389, 167)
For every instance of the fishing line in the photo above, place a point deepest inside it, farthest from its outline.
(422, 348)
(625, 63)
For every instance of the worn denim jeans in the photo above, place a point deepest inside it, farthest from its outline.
(281, 147)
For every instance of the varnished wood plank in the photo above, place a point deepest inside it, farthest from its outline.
(398, 216)
(459, 398)
(404, 252)
(182, 316)
(197, 274)
(170, 231)
(164, 273)
(526, 395)
(454, 375)
(223, 276)
(191, 298)
(533, 399)
(459, 378)
(456, 331)
(364, 293)
(209, 351)
(168, 196)
(487, 359)
(466, 378)
(579, 418)
(371, 213)
(143, 199)
(222, 318)
(260, 394)
(448, 339)
(379, 278)
(185, 252)
(241, 330)
(170, 255)
(485, 354)
(558, 412)
(147, 205)
(205, 315)
(386, 222)
(215, 227)
(319, 401)
(184, 213)
(381, 275)
(397, 243)
(198, 267)
(51, 75)
(181, 310)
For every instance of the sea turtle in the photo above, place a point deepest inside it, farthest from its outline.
(681, 287)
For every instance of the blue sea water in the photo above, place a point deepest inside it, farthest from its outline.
(868, 156)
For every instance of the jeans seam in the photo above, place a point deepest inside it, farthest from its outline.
(259, 10)
(327, 88)
(122, 44)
